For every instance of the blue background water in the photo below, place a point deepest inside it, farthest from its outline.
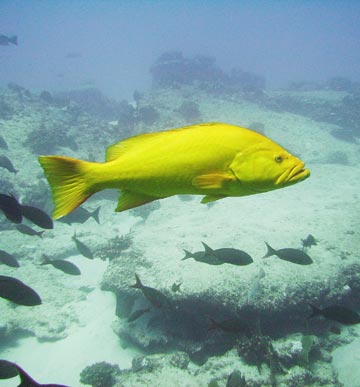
(113, 43)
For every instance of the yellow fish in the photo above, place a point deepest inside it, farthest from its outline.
(213, 159)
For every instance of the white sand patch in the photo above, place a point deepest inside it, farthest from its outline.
(90, 342)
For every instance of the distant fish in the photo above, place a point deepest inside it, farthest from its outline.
(337, 313)
(24, 229)
(60, 264)
(81, 215)
(37, 216)
(82, 248)
(8, 259)
(232, 325)
(200, 256)
(138, 313)
(290, 255)
(309, 241)
(9, 370)
(6, 163)
(11, 208)
(229, 255)
(73, 55)
(7, 40)
(176, 287)
(3, 143)
(154, 296)
(16, 291)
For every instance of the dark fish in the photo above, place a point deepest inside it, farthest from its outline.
(235, 379)
(65, 266)
(80, 215)
(37, 216)
(155, 297)
(200, 256)
(7, 40)
(82, 248)
(3, 143)
(11, 208)
(24, 229)
(290, 255)
(232, 325)
(16, 291)
(229, 255)
(7, 164)
(9, 370)
(309, 241)
(176, 287)
(138, 313)
(8, 259)
(337, 313)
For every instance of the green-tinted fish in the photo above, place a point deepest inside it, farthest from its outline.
(81, 215)
(8, 259)
(290, 255)
(308, 241)
(138, 313)
(82, 248)
(24, 229)
(7, 164)
(176, 287)
(307, 342)
(337, 313)
(229, 255)
(16, 291)
(235, 379)
(155, 297)
(9, 370)
(37, 216)
(200, 256)
(60, 264)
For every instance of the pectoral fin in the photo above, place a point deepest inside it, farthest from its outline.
(212, 180)
(212, 198)
(130, 200)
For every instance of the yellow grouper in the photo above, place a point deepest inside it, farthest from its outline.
(213, 159)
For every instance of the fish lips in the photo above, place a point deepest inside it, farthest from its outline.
(293, 175)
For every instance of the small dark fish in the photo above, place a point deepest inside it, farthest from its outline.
(9, 370)
(232, 325)
(80, 215)
(235, 379)
(337, 313)
(24, 229)
(82, 248)
(3, 143)
(290, 255)
(65, 266)
(37, 216)
(8, 259)
(154, 296)
(309, 241)
(138, 313)
(7, 164)
(200, 256)
(7, 40)
(16, 291)
(176, 287)
(229, 255)
(11, 208)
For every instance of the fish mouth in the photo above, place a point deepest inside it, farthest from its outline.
(294, 175)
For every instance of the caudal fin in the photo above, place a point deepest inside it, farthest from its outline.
(95, 215)
(68, 183)
(270, 251)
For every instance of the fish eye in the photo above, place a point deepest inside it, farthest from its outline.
(278, 159)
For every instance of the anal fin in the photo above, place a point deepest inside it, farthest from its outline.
(212, 198)
(130, 200)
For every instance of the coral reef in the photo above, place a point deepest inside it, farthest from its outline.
(101, 374)
(114, 247)
(189, 111)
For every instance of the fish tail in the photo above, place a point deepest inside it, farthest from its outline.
(45, 260)
(270, 251)
(138, 284)
(69, 182)
(187, 255)
(40, 233)
(95, 215)
(315, 310)
(14, 39)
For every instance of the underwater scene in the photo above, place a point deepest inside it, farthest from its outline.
(179, 193)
